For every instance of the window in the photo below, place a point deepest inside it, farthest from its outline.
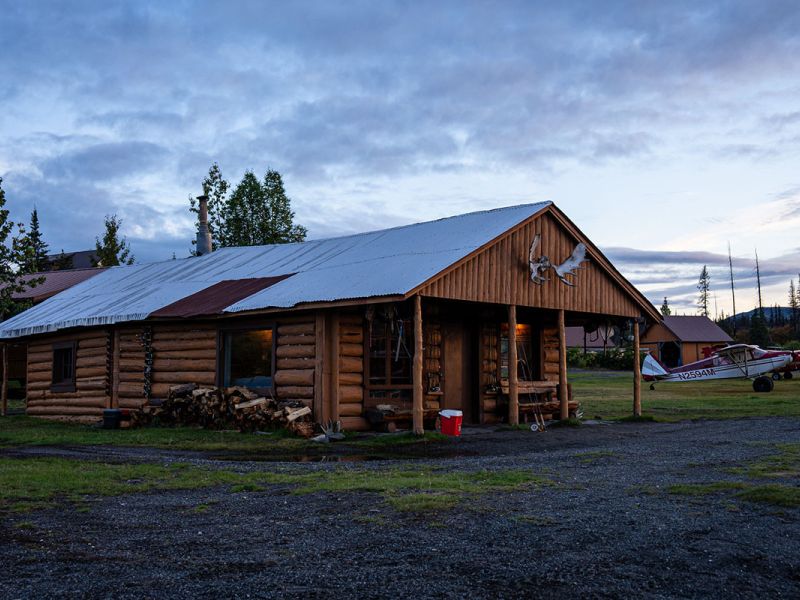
(63, 367)
(528, 368)
(391, 344)
(248, 359)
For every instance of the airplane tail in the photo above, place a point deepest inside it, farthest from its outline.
(651, 368)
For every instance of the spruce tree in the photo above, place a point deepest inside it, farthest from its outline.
(34, 247)
(216, 188)
(665, 309)
(794, 306)
(704, 285)
(112, 251)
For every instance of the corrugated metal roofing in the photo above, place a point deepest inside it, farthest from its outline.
(379, 263)
(215, 298)
(695, 329)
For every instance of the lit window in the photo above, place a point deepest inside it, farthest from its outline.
(528, 368)
(248, 359)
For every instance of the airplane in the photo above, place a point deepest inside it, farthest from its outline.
(738, 361)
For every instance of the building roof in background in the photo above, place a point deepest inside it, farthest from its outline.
(696, 329)
(389, 262)
(81, 259)
(55, 282)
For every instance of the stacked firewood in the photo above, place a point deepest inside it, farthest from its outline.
(230, 408)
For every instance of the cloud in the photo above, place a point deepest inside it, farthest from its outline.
(100, 162)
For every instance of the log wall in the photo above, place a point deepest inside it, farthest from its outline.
(351, 372)
(432, 363)
(92, 377)
(492, 408)
(295, 361)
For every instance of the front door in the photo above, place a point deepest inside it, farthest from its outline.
(458, 370)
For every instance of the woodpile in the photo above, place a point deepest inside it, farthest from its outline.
(230, 408)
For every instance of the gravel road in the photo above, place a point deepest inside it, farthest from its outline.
(608, 529)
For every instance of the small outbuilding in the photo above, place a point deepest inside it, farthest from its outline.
(680, 340)
(467, 312)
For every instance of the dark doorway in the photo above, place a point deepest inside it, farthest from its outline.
(459, 369)
(671, 354)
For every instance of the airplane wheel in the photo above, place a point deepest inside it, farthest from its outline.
(788, 375)
(776, 376)
(763, 384)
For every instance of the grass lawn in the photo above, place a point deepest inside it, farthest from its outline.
(609, 394)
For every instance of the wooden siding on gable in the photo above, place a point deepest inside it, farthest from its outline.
(500, 274)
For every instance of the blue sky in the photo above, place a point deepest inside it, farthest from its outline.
(664, 130)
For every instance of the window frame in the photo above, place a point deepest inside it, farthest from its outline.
(64, 385)
(382, 387)
(223, 333)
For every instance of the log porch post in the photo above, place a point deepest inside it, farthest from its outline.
(4, 388)
(513, 380)
(637, 372)
(419, 428)
(563, 390)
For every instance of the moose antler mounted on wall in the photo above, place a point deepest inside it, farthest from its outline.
(539, 266)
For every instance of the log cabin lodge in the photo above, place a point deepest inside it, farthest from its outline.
(396, 323)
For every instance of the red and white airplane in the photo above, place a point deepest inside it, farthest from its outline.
(738, 361)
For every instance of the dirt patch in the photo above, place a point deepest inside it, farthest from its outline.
(607, 526)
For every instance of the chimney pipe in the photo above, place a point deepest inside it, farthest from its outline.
(203, 235)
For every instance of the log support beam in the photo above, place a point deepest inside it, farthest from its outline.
(4, 389)
(637, 372)
(419, 395)
(563, 390)
(513, 380)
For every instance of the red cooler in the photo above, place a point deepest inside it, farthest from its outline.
(451, 421)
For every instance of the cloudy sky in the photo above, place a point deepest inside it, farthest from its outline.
(664, 130)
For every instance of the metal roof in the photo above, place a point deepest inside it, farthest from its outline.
(379, 263)
(695, 329)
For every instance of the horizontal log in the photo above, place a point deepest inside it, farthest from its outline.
(130, 364)
(40, 377)
(176, 364)
(286, 340)
(351, 393)
(160, 336)
(351, 349)
(295, 377)
(355, 424)
(101, 342)
(131, 346)
(85, 372)
(551, 355)
(175, 345)
(296, 351)
(295, 363)
(40, 357)
(84, 386)
(351, 410)
(137, 375)
(432, 404)
(201, 354)
(83, 402)
(130, 389)
(131, 403)
(295, 391)
(65, 410)
(34, 394)
(351, 379)
(200, 378)
(349, 364)
(296, 329)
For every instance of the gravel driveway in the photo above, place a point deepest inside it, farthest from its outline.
(607, 529)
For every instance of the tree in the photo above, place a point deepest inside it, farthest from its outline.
(112, 250)
(704, 285)
(794, 305)
(665, 309)
(259, 213)
(759, 333)
(33, 247)
(216, 188)
(12, 258)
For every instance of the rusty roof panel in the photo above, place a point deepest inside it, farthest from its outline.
(213, 299)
